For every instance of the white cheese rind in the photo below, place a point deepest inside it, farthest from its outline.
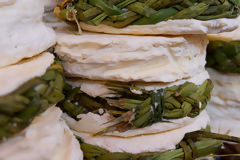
(23, 34)
(226, 86)
(227, 36)
(4, 3)
(97, 88)
(224, 119)
(131, 58)
(170, 27)
(15, 75)
(149, 142)
(49, 5)
(48, 17)
(48, 138)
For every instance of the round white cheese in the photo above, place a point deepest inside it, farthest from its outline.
(48, 138)
(226, 86)
(23, 34)
(98, 88)
(16, 75)
(170, 27)
(131, 58)
(156, 138)
(224, 119)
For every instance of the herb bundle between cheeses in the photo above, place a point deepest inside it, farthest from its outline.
(137, 84)
(31, 83)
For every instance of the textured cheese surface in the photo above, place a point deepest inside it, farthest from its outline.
(47, 138)
(4, 3)
(97, 88)
(224, 119)
(131, 58)
(48, 17)
(227, 36)
(50, 4)
(170, 27)
(23, 34)
(148, 139)
(226, 86)
(15, 75)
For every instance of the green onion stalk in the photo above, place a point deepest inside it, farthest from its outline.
(18, 109)
(122, 13)
(133, 107)
(224, 56)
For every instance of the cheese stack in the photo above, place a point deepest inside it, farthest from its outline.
(224, 68)
(136, 75)
(31, 83)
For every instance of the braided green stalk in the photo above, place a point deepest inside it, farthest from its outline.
(224, 56)
(203, 148)
(18, 108)
(133, 110)
(194, 145)
(121, 13)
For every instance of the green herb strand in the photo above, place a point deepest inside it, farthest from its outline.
(121, 13)
(133, 110)
(224, 56)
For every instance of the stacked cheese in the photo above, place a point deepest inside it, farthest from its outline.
(224, 108)
(26, 89)
(139, 56)
(149, 62)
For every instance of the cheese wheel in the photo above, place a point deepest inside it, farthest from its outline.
(23, 34)
(48, 138)
(226, 86)
(12, 77)
(158, 137)
(131, 58)
(224, 119)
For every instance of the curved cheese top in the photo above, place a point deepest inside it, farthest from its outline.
(23, 34)
(97, 88)
(16, 75)
(48, 138)
(227, 36)
(131, 58)
(224, 119)
(170, 27)
(226, 86)
(156, 138)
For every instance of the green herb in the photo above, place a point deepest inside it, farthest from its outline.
(133, 110)
(121, 13)
(194, 145)
(224, 56)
